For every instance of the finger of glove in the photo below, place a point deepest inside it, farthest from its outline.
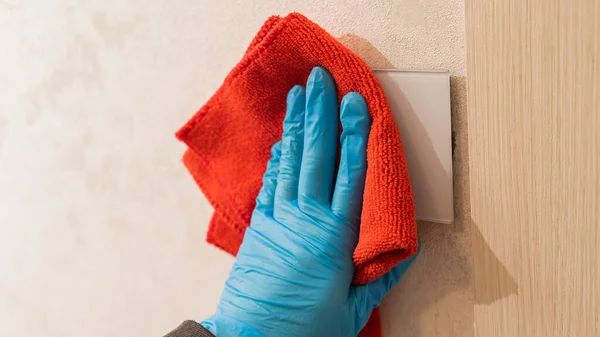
(266, 195)
(350, 181)
(370, 295)
(320, 140)
(292, 143)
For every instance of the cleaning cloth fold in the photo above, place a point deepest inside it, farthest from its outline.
(230, 137)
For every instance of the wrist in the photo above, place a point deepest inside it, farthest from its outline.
(224, 326)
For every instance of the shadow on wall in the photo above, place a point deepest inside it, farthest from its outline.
(363, 48)
(437, 295)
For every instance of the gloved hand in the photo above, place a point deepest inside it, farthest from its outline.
(293, 272)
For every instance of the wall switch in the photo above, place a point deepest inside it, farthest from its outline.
(420, 102)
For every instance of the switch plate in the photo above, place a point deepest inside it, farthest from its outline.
(420, 102)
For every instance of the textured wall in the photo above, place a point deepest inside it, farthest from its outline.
(101, 228)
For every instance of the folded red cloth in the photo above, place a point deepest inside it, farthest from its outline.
(229, 140)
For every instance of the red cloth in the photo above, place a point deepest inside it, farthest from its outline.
(229, 140)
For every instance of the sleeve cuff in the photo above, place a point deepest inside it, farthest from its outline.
(190, 329)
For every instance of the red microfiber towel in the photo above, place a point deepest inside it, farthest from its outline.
(229, 140)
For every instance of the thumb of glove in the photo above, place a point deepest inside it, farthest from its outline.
(369, 296)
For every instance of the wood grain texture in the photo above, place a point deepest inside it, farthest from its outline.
(534, 141)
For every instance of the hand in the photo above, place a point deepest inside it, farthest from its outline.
(293, 272)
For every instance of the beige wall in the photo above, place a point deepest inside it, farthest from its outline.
(101, 228)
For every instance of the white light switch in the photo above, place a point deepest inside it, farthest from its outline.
(420, 102)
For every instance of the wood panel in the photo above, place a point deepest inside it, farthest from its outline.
(533, 71)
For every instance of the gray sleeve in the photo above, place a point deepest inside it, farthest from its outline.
(190, 329)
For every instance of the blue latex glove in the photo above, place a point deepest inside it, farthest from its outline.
(293, 272)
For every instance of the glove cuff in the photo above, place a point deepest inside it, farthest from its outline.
(224, 326)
